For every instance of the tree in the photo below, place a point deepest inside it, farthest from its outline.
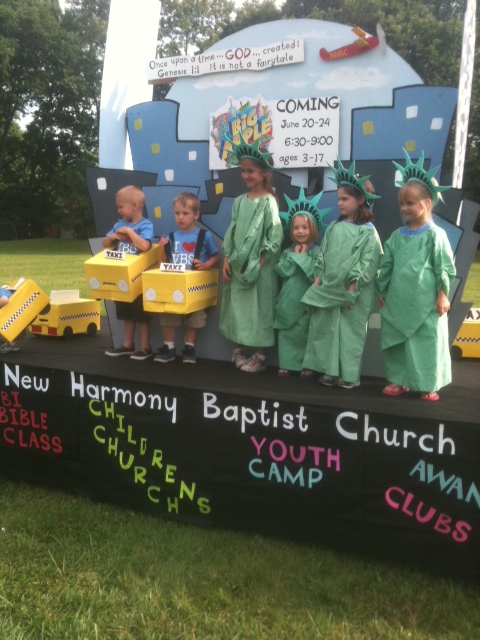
(250, 13)
(28, 35)
(51, 72)
(190, 26)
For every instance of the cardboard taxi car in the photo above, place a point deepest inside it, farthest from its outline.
(467, 342)
(67, 314)
(174, 289)
(113, 275)
(26, 302)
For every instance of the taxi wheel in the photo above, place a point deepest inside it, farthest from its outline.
(68, 333)
(92, 329)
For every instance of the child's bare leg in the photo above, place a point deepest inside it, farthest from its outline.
(128, 333)
(168, 334)
(190, 335)
(144, 333)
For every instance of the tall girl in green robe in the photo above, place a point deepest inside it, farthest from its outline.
(413, 286)
(251, 247)
(342, 297)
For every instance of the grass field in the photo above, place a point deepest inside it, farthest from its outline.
(58, 264)
(71, 569)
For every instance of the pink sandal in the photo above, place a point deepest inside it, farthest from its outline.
(394, 390)
(306, 373)
(431, 396)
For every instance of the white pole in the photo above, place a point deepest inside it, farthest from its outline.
(131, 40)
(464, 93)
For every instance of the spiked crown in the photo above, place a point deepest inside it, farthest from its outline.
(306, 207)
(249, 151)
(344, 176)
(414, 172)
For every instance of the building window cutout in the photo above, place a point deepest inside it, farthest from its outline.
(411, 112)
(368, 128)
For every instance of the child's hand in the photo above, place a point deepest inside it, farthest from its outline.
(124, 233)
(200, 266)
(163, 241)
(226, 270)
(442, 304)
(317, 281)
(208, 264)
(300, 248)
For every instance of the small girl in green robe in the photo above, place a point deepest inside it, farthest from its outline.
(413, 287)
(251, 248)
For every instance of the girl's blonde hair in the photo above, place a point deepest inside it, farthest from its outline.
(312, 228)
(415, 191)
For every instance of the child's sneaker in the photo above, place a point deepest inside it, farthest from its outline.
(120, 351)
(254, 364)
(328, 381)
(189, 355)
(347, 385)
(142, 354)
(165, 354)
(239, 359)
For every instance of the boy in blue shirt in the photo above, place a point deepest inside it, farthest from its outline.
(196, 249)
(131, 234)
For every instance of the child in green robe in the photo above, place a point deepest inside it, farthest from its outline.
(342, 297)
(296, 269)
(251, 247)
(413, 287)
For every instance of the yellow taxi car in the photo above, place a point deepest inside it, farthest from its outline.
(66, 315)
(467, 342)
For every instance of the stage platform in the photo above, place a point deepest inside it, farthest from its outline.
(394, 478)
(460, 401)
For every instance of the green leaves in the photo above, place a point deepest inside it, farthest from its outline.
(50, 71)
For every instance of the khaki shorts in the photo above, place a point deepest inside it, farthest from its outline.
(195, 320)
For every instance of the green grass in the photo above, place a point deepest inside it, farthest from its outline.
(74, 569)
(58, 264)
(71, 569)
(471, 292)
(52, 264)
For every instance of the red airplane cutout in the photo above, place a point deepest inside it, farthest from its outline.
(362, 45)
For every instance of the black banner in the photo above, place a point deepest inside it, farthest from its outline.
(404, 489)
